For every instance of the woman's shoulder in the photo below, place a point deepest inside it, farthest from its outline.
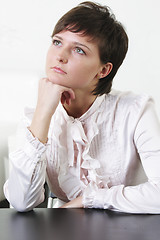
(128, 99)
(123, 104)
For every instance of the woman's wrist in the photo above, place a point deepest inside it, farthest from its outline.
(40, 126)
(76, 203)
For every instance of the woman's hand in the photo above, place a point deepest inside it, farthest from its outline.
(49, 96)
(76, 203)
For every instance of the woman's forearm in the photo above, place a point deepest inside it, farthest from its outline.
(49, 96)
(40, 126)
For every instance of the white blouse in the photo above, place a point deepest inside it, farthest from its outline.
(110, 156)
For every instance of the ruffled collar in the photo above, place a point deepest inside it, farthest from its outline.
(93, 108)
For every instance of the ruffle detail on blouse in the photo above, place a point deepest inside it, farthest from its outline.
(92, 197)
(75, 163)
(88, 195)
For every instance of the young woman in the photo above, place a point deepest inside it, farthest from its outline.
(98, 148)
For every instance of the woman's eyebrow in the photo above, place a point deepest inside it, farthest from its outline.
(76, 43)
(80, 44)
(58, 37)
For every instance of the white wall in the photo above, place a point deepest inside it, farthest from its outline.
(25, 29)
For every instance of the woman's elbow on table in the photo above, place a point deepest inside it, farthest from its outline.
(21, 202)
(25, 206)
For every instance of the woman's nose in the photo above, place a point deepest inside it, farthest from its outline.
(62, 57)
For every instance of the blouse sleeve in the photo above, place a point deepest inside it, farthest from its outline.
(25, 187)
(145, 197)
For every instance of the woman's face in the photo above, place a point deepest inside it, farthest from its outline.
(73, 61)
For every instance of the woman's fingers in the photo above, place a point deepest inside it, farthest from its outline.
(67, 96)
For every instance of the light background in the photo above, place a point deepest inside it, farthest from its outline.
(25, 29)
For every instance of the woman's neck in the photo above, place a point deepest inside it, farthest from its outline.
(80, 105)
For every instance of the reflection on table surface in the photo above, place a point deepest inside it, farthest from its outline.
(77, 224)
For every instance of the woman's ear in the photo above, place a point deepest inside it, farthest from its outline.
(106, 69)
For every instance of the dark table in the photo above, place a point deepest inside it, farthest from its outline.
(77, 224)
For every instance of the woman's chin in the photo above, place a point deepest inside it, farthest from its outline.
(57, 81)
(53, 79)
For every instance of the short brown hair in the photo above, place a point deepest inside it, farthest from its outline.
(99, 23)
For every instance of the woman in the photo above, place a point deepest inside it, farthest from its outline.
(99, 148)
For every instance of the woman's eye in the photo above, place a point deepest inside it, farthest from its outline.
(79, 50)
(56, 42)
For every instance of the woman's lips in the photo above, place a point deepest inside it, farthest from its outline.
(58, 70)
